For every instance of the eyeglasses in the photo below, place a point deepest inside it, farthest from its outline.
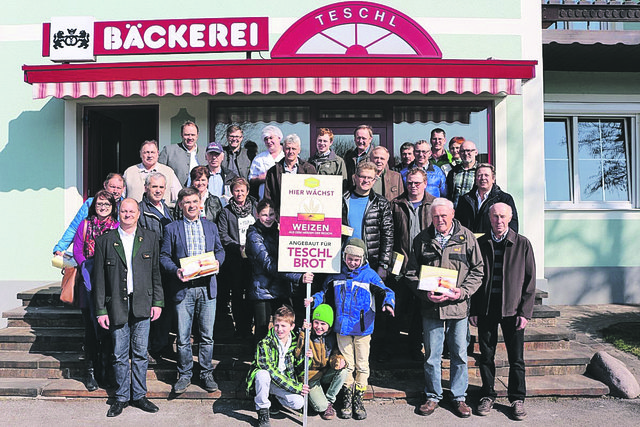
(421, 152)
(467, 151)
(234, 137)
(103, 205)
(414, 183)
(366, 178)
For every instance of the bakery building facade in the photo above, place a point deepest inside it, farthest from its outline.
(79, 103)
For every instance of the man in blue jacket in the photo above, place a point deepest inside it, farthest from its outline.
(196, 298)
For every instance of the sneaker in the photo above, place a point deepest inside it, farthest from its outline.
(461, 409)
(484, 406)
(208, 383)
(517, 410)
(329, 413)
(263, 418)
(181, 385)
(427, 407)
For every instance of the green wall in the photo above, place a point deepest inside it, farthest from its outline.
(592, 243)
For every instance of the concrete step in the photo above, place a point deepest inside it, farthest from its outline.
(570, 385)
(45, 295)
(535, 337)
(544, 315)
(43, 316)
(41, 339)
(540, 295)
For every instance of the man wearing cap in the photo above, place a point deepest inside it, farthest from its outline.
(236, 158)
(136, 175)
(271, 135)
(184, 156)
(291, 163)
(221, 177)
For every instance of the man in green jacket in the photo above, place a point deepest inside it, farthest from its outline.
(448, 245)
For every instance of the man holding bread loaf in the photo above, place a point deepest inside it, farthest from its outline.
(195, 291)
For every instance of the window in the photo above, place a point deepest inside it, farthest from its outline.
(587, 162)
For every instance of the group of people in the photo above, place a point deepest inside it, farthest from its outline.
(186, 201)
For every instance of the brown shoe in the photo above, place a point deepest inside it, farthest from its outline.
(329, 413)
(461, 409)
(484, 407)
(427, 407)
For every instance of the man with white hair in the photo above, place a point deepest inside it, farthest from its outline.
(506, 298)
(449, 245)
(271, 135)
(291, 163)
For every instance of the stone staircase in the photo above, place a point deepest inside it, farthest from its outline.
(41, 355)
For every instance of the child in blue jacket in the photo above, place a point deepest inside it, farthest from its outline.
(352, 293)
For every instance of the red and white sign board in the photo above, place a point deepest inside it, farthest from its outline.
(310, 223)
(356, 29)
(81, 39)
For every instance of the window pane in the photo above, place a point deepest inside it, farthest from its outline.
(602, 158)
(557, 170)
(557, 181)
(461, 121)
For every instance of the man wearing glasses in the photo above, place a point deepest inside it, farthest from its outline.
(367, 216)
(436, 180)
(463, 175)
(236, 158)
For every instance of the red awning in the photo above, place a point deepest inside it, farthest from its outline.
(299, 75)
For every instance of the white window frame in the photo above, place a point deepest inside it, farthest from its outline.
(572, 112)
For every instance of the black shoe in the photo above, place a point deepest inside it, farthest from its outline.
(263, 418)
(145, 404)
(90, 380)
(116, 408)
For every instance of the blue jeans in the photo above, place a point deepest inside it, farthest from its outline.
(434, 331)
(196, 306)
(132, 337)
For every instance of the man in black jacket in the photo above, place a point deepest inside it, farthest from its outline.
(368, 217)
(473, 208)
(154, 216)
(127, 292)
(505, 298)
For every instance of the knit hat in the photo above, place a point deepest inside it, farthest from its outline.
(324, 313)
(356, 247)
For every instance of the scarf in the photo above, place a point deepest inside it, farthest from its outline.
(93, 228)
(241, 211)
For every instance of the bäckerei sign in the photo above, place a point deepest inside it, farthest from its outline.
(82, 39)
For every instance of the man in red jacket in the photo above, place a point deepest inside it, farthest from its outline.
(505, 298)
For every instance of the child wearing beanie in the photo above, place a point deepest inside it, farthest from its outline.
(326, 363)
(352, 293)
